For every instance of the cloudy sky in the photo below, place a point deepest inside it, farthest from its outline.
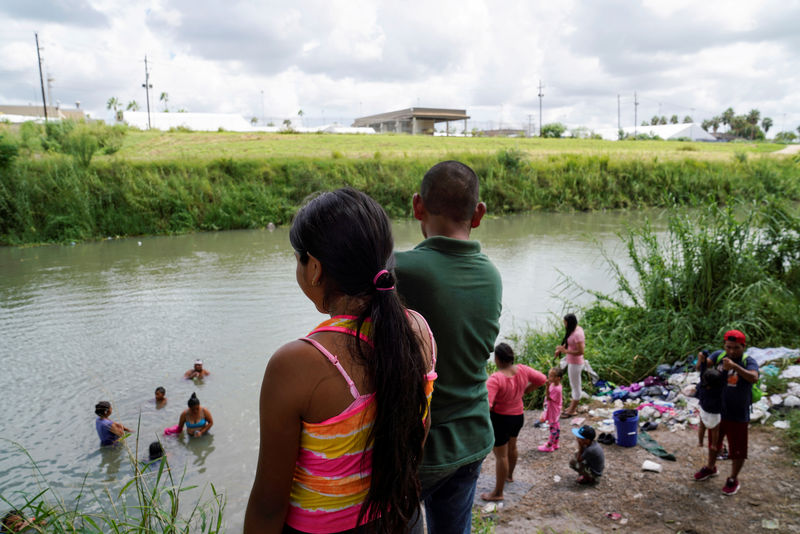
(343, 59)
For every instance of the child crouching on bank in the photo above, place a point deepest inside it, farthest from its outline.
(589, 461)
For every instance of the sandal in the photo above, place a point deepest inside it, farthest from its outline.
(565, 415)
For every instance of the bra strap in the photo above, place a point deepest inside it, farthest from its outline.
(335, 361)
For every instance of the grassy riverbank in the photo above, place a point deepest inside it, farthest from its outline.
(722, 268)
(152, 500)
(56, 199)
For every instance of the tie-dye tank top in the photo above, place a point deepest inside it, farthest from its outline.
(334, 465)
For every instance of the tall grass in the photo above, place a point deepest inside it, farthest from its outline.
(721, 268)
(150, 502)
(57, 199)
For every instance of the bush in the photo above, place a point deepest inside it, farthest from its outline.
(31, 135)
(554, 129)
(712, 272)
(81, 143)
(8, 151)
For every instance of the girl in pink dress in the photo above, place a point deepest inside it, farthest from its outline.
(553, 411)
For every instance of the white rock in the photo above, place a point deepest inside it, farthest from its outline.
(793, 388)
(618, 404)
(775, 400)
(756, 415)
(791, 401)
(781, 424)
(646, 413)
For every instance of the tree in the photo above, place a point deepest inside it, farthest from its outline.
(706, 124)
(727, 116)
(687, 119)
(645, 123)
(753, 117)
(554, 129)
(715, 122)
(785, 137)
(113, 103)
(653, 121)
(766, 123)
(673, 119)
(300, 114)
(164, 98)
(253, 121)
(662, 120)
(133, 106)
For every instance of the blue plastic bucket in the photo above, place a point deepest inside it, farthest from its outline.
(627, 427)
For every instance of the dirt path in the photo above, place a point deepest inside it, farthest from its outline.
(789, 149)
(544, 495)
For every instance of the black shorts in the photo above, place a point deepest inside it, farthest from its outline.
(505, 427)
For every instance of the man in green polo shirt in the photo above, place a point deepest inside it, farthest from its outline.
(458, 290)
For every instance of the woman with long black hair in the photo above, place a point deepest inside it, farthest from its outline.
(344, 410)
(572, 346)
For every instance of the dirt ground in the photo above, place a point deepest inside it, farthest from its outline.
(666, 502)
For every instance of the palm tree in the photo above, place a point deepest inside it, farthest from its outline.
(673, 119)
(766, 123)
(687, 119)
(662, 120)
(653, 121)
(133, 106)
(113, 103)
(753, 116)
(300, 114)
(727, 116)
(715, 122)
(706, 124)
(164, 98)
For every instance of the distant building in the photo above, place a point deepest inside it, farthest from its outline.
(690, 130)
(412, 121)
(18, 114)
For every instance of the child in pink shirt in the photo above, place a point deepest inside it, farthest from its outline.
(553, 411)
(506, 388)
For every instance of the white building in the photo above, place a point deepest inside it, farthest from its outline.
(212, 122)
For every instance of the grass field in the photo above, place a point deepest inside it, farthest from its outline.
(150, 146)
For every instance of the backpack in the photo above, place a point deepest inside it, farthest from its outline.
(756, 389)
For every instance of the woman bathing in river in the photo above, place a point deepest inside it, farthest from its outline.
(197, 419)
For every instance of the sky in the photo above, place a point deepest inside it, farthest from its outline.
(339, 60)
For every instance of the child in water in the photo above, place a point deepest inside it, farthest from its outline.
(506, 388)
(107, 430)
(553, 411)
(161, 397)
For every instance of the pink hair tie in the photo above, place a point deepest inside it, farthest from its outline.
(375, 281)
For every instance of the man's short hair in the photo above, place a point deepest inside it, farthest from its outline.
(450, 188)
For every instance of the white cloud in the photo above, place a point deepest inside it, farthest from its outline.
(344, 59)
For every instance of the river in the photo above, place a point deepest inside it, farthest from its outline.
(112, 320)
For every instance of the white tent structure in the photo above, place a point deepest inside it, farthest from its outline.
(201, 122)
(690, 130)
(212, 122)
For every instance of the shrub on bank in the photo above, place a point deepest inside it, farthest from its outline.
(721, 269)
(54, 199)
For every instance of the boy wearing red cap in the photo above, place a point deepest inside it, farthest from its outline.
(740, 374)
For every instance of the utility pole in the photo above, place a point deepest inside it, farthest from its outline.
(635, 114)
(530, 133)
(619, 121)
(541, 94)
(147, 88)
(41, 78)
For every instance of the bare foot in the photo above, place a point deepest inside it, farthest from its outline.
(510, 479)
(491, 497)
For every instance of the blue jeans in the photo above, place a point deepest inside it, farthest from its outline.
(448, 500)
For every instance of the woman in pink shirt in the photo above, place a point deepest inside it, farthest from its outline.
(573, 346)
(506, 388)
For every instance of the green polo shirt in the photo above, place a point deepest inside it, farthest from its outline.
(459, 291)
